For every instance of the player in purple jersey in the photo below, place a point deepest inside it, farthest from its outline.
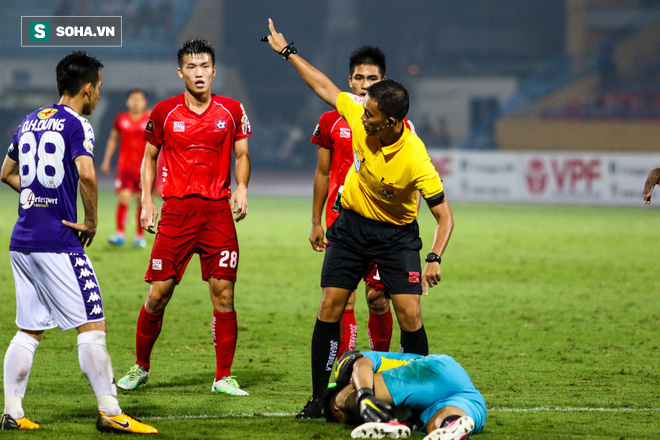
(51, 155)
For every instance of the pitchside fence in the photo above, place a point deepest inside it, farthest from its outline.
(581, 178)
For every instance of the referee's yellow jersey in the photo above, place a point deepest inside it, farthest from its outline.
(382, 183)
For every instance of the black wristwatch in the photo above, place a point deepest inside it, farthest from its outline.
(433, 258)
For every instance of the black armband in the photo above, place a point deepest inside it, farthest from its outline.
(288, 50)
(436, 199)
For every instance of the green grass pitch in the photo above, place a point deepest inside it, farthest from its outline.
(553, 311)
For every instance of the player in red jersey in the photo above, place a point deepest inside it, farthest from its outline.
(367, 65)
(196, 133)
(129, 127)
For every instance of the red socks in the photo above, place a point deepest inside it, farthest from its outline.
(148, 329)
(347, 332)
(225, 332)
(380, 331)
(121, 218)
(139, 233)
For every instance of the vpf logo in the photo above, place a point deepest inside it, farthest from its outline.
(536, 177)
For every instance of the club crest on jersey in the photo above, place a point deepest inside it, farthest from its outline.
(357, 160)
(179, 126)
(388, 193)
(221, 124)
(46, 113)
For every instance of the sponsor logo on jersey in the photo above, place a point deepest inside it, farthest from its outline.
(89, 145)
(80, 262)
(317, 131)
(245, 123)
(156, 264)
(27, 198)
(84, 273)
(150, 126)
(179, 126)
(345, 133)
(46, 113)
(221, 124)
(93, 297)
(96, 310)
(413, 277)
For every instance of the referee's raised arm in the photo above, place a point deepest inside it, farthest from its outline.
(315, 79)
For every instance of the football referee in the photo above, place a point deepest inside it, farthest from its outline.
(378, 216)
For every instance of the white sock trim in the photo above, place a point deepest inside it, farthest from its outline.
(26, 341)
(14, 407)
(92, 337)
(109, 405)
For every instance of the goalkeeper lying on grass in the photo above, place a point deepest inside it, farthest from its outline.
(379, 389)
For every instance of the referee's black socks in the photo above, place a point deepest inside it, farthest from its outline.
(325, 342)
(415, 342)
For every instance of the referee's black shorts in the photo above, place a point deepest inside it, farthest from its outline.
(354, 241)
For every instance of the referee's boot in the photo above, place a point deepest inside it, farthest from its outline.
(312, 410)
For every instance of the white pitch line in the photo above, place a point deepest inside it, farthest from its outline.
(569, 409)
(283, 414)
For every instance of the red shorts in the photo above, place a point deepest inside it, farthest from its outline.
(128, 179)
(194, 225)
(372, 278)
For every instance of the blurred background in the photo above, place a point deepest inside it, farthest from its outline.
(503, 77)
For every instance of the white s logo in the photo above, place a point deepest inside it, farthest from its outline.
(40, 31)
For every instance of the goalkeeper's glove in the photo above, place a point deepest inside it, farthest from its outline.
(372, 409)
(344, 368)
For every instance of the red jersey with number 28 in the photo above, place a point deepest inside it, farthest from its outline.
(333, 133)
(197, 148)
(131, 147)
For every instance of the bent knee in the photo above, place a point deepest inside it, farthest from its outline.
(378, 303)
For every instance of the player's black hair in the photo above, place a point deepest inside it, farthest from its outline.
(136, 90)
(75, 70)
(352, 418)
(392, 98)
(368, 55)
(195, 46)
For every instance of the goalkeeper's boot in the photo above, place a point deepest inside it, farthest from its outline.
(123, 423)
(117, 239)
(8, 422)
(459, 429)
(381, 430)
(312, 410)
(135, 377)
(228, 385)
